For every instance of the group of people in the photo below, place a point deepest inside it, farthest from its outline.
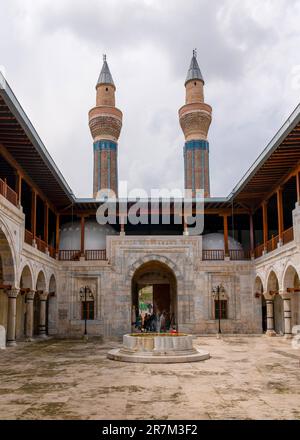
(159, 322)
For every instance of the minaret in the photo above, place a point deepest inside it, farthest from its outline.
(195, 119)
(105, 122)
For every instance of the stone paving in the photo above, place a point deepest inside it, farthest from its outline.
(252, 377)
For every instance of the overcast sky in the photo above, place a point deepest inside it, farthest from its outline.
(248, 51)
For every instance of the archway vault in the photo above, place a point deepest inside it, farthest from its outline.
(158, 258)
(160, 279)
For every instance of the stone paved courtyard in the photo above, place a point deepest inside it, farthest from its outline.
(246, 378)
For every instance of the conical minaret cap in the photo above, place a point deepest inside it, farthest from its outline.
(194, 71)
(105, 75)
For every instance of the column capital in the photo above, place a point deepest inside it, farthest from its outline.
(30, 295)
(43, 296)
(13, 292)
(285, 295)
(268, 296)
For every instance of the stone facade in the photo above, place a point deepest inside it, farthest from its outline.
(110, 281)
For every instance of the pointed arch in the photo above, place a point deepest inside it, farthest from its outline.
(52, 284)
(290, 278)
(26, 278)
(272, 282)
(258, 285)
(41, 281)
(7, 257)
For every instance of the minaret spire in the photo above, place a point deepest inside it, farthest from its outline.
(195, 120)
(105, 122)
(194, 71)
(105, 75)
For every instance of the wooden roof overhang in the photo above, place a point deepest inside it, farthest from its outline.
(23, 144)
(215, 206)
(273, 166)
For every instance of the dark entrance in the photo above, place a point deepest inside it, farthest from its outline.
(154, 292)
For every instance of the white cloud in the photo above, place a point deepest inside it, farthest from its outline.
(247, 50)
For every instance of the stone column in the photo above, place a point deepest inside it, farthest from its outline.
(11, 319)
(287, 315)
(185, 227)
(270, 317)
(29, 315)
(42, 323)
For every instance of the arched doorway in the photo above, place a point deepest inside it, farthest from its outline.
(51, 307)
(291, 285)
(7, 276)
(259, 289)
(26, 285)
(273, 290)
(154, 291)
(40, 287)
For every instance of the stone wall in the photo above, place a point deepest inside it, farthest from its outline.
(111, 282)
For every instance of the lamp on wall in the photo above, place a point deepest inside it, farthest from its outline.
(217, 290)
(84, 291)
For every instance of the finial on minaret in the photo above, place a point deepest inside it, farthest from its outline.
(195, 53)
(105, 75)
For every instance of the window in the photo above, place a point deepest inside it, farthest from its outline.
(223, 304)
(87, 310)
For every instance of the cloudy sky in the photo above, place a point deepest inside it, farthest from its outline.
(248, 51)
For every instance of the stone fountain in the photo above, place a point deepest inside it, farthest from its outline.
(159, 348)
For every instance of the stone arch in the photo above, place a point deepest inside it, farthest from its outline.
(26, 277)
(262, 308)
(52, 284)
(7, 270)
(290, 277)
(40, 286)
(160, 278)
(7, 257)
(272, 282)
(151, 258)
(273, 292)
(41, 281)
(258, 285)
(51, 307)
(291, 284)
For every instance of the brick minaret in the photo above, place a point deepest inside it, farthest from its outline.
(105, 122)
(195, 119)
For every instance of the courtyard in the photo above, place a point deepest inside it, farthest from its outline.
(247, 377)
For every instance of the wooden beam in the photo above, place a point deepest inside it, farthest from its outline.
(33, 214)
(19, 187)
(298, 186)
(280, 213)
(225, 227)
(265, 222)
(46, 223)
(57, 234)
(82, 224)
(14, 164)
(251, 234)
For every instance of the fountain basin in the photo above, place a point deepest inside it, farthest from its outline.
(158, 348)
